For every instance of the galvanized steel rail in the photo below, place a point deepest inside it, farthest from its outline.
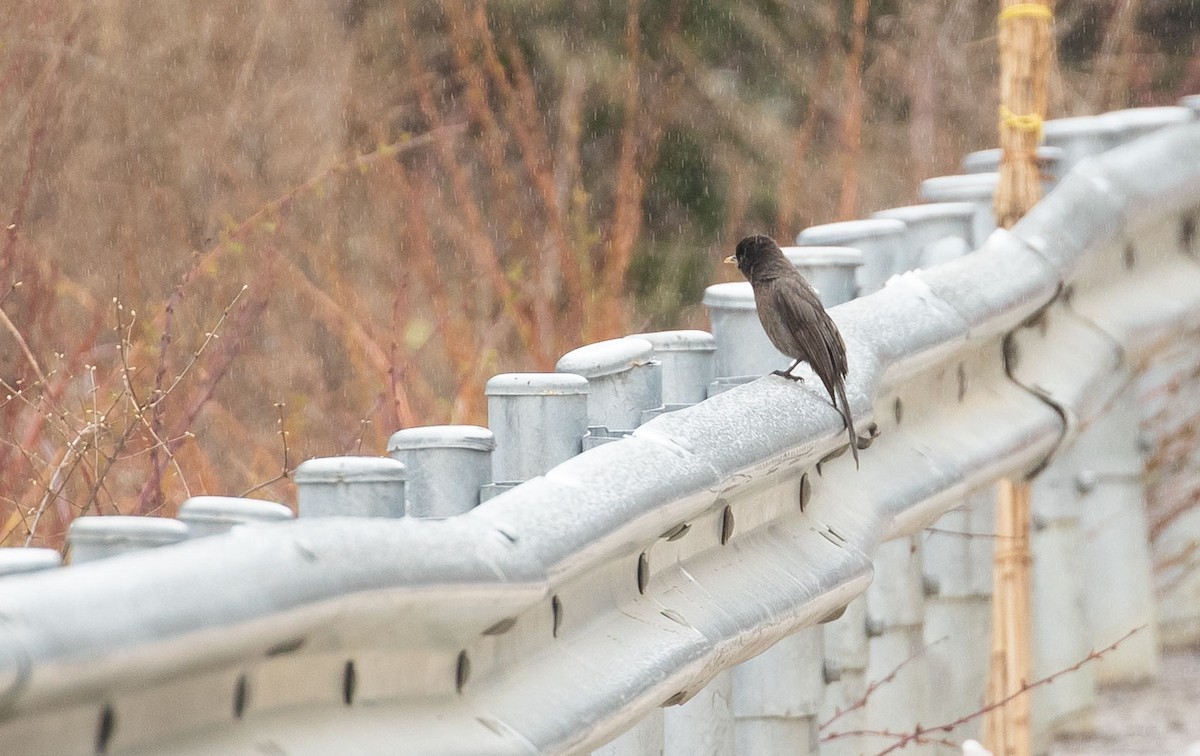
(687, 538)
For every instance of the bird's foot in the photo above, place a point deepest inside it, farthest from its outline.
(789, 376)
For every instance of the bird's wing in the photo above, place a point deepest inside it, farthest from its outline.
(817, 338)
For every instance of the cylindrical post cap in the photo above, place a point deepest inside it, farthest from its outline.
(679, 341)
(987, 161)
(15, 560)
(730, 296)
(442, 437)
(146, 532)
(351, 487)
(350, 470)
(813, 256)
(538, 420)
(978, 187)
(606, 357)
(928, 211)
(1065, 128)
(536, 384)
(844, 232)
(688, 362)
(1148, 118)
(231, 510)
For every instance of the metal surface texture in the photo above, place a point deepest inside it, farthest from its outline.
(881, 240)
(937, 231)
(447, 467)
(211, 515)
(607, 601)
(830, 270)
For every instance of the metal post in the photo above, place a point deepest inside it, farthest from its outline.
(846, 659)
(687, 364)
(831, 271)
(1192, 103)
(777, 695)
(1050, 164)
(538, 420)
(881, 240)
(937, 232)
(958, 608)
(624, 380)
(1134, 123)
(704, 724)
(350, 487)
(895, 629)
(1118, 572)
(212, 515)
(976, 188)
(92, 538)
(1078, 138)
(447, 466)
(643, 739)
(1067, 706)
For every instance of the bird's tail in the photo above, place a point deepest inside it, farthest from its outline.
(840, 385)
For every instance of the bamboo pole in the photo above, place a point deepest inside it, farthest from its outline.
(1026, 47)
(1006, 729)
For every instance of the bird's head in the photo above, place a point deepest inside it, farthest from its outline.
(752, 251)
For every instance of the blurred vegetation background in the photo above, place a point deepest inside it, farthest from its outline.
(238, 234)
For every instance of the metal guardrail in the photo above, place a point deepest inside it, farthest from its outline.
(658, 566)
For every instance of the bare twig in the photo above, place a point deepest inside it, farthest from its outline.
(920, 734)
(12, 328)
(209, 337)
(109, 460)
(285, 471)
(151, 492)
(967, 533)
(57, 481)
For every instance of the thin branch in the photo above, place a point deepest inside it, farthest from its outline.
(152, 488)
(57, 479)
(118, 399)
(967, 533)
(285, 471)
(920, 734)
(25, 350)
(209, 337)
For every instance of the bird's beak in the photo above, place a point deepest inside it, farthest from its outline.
(732, 259)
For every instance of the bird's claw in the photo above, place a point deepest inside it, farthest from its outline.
(789, 376)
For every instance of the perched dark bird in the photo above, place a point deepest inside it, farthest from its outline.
(795, 321)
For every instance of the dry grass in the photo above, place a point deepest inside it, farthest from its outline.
(333, 220)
